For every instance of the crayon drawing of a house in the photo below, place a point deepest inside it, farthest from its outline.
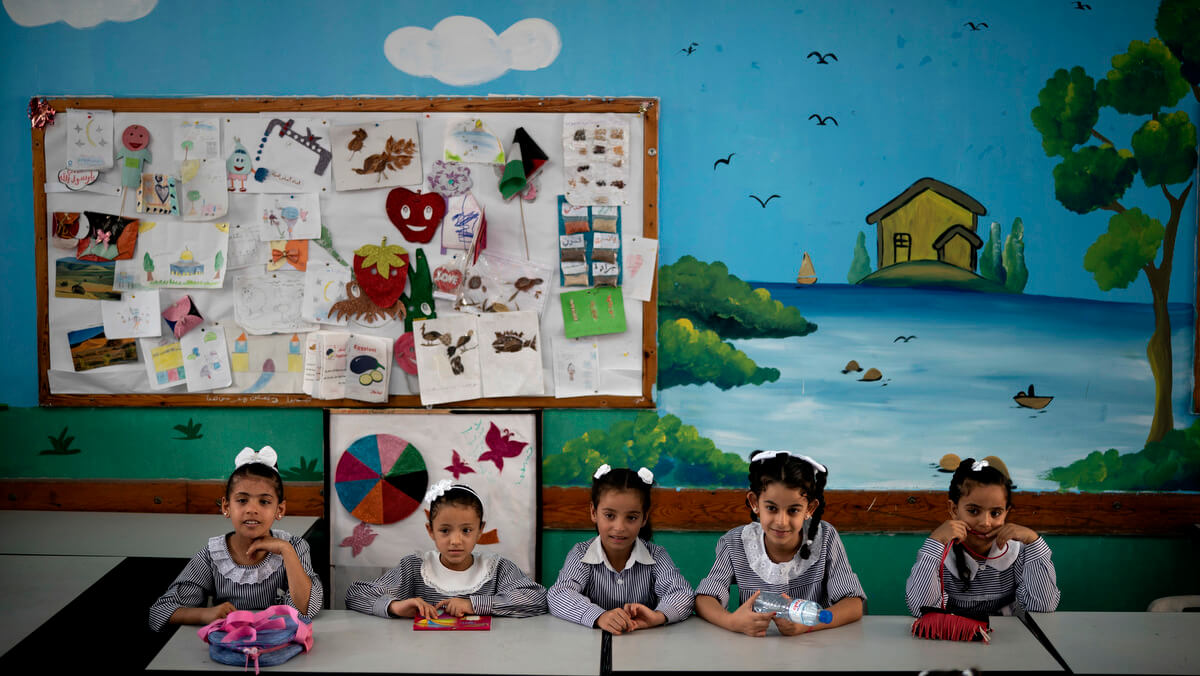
(929, 221)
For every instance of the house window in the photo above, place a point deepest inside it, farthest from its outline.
(901, 247)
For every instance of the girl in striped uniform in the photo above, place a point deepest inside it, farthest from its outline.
(990, 565)
(619, 581)
(251, 568)
(785, 549)
(450, 579)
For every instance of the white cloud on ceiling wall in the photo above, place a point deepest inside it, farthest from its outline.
(77, 13)
(462, 50)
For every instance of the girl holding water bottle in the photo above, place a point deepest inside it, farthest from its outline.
(786, 549)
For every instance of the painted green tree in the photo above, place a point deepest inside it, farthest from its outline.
(991, 264)
(1145, 81)
(1016, 275)
(148, 266)
(860, 265)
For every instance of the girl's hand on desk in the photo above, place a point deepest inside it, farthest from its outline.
(745, 621)
(643, 617)
(615, 621)
(412, 608)
(789, 628)
(1011, 531)
(456, 607)
(950, 530)
(218, 612)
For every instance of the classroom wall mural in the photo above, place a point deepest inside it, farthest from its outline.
(892, 233)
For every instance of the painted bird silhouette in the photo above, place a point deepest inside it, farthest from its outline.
(1079, 5)
(690, 48)
(821, 121)
(975, 26)
(723, 161)
(821, 57)
(501, 445)
(762, 203)
(898, 339)
(457, 467)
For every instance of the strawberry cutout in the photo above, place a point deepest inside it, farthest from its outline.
(415, 215)
(381, 272)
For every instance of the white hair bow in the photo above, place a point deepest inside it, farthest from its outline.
(767, 455)
(646, 475)
(437, 490)
(602, 470)
(978, 465)
(816, 465)
(265, 455)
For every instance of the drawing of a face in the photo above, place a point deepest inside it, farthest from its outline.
(135, 137)
(415, 215)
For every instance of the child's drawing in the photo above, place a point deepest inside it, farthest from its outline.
(288, 254)
(164, 362)
(289, 216)
(324, 285)
(595, 159)
(464, 218)
(205, 359)
(197, 139)
(448, 359)
(368, 365)
(263, 364)
(134, 152)
(376, 155)
(510, 354)
(134, 316)
(92, 349)
(576, 367)
(177, 255)
(471, 140)
(245, 248)
(89, 139)
(238, 167)
(202, 194)
(293, 156)
(157, 194)
(270, 303)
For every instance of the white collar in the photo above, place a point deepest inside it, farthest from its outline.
(595, 555)
(1004, 559)
(218, 550)
(457, 582)
(768, 570)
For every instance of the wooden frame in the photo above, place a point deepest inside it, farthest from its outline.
(646, 107)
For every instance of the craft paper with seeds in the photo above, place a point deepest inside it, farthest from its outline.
(377, 155)
(596, 158)
(89, 139)
(176, 255)
(292, 154)
(448, 359)
(510, 354)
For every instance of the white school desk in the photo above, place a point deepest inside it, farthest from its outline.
(874, 643)
(34, 588)
(118, 533)
(346, 641)
(1125, 643)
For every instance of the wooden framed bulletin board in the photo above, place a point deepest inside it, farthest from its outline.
(523, 230)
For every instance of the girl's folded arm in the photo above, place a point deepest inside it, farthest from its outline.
(1037, 583)
(675, 596)
(189, 591)
(924, 587)
(516, 595)
(566, 598)
(374, 597)
(303, 577)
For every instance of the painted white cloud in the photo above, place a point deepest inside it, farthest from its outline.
(462, 50)
(76, 13)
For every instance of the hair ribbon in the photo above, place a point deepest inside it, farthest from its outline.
(767, 455)
(978, 465)
(265, 455)
(646, 476)
(605, 469)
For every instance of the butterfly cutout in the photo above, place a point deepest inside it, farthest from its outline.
(182, 316)
(501, 445)
(360, 539)
(457, 467)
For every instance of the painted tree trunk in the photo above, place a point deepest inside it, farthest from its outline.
(1158, 351)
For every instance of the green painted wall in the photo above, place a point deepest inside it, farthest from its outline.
(559, 427)
(142, 443)
(1094, 573)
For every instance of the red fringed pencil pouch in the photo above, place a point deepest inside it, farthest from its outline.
(944, 625)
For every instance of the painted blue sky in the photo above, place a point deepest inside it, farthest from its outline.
(915, 92)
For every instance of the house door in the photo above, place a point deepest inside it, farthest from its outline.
(901, 247)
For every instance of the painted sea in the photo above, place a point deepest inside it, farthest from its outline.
(949, 388)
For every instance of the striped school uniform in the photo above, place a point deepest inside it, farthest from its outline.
(1020, 576)
(824, 577)
(213, 572)
(494, 585)
(588, 585)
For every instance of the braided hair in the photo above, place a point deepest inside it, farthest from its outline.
(795, 473)
(966, 477)
(624, 479)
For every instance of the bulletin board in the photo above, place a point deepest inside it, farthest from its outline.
(518, 230)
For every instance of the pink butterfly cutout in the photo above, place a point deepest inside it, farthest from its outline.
(360, 539)
(501, 445)
(181, 317)
(457, 467)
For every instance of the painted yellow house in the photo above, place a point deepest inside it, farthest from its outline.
(929, 221)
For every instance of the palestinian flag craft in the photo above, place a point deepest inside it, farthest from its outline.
(525, 160)
(381, 479)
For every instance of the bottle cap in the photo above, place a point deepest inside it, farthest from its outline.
(825, 617)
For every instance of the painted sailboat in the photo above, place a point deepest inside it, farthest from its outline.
(807, 274)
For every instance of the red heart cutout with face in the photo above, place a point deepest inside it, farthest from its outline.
(447, 279)
(416, 215)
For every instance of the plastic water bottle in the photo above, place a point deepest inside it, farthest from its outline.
(808, 613)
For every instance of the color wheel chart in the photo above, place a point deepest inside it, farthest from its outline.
(381, 479)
